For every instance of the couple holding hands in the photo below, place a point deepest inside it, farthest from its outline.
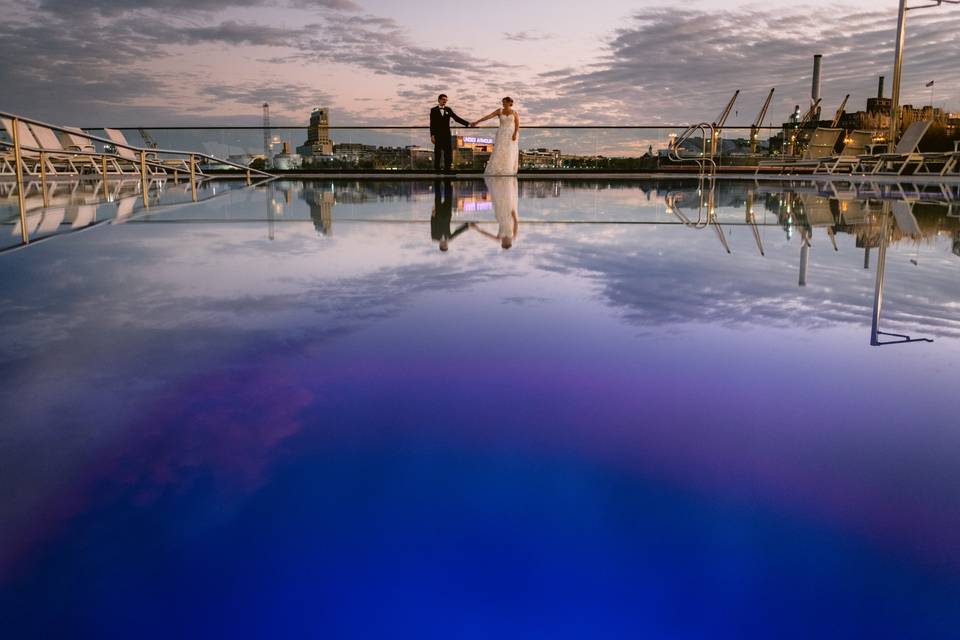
(505, 159)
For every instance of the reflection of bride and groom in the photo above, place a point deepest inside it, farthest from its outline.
(503, 194)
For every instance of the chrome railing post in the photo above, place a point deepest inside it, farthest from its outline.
(143, 178)
(18, 158)
(193, 176)
(103, 174)
(43, 177)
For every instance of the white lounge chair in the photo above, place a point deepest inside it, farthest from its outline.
(49, 141)
(903, 155)
(29, 155)
(126, 152)
(76, 140)
(823, 140)
(849, 156)
(154, 164)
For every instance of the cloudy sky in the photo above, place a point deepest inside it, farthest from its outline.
(126, 62)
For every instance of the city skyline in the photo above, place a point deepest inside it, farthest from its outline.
(373, 62)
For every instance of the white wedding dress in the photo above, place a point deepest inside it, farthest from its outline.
(505, 159)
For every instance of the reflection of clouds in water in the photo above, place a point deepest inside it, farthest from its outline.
(201, 408)
(198, 330)
(150, 281)
(676, 275)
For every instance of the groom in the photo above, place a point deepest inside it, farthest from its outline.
(440, 136)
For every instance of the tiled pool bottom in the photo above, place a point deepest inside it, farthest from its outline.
(286, 413)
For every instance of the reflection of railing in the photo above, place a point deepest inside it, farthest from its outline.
(44, 219)
(875, 332)
(706, 200)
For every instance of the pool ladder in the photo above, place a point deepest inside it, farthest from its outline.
(705, 161)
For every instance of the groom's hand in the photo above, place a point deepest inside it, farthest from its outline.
(433, 139)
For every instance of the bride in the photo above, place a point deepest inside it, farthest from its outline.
(505, 159)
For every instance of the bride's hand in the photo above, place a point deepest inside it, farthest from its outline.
(514, 137)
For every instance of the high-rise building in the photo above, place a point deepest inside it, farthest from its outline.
(318, 135)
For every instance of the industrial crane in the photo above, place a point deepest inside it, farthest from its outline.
(148, 139)
(802, 123)
(755, 129)
(836, 118)
(720, 121)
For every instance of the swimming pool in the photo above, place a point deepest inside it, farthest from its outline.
(663, 411)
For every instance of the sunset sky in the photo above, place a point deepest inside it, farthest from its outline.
(125, 62)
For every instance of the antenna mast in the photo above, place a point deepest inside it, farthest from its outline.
(267, 137)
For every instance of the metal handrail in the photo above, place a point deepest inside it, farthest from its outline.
(705, 157)
(140, 150)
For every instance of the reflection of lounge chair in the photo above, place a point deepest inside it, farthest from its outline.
(125, 209)
(903, 155)
(849, 157)
(33, 221)
(817, 210)
(84, 215)
(52, 218)
(906, 221)
(853, 212)
(823, 140)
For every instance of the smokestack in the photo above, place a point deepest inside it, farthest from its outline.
(815, 89)
(880, 88)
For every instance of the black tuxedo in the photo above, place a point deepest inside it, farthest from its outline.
(443, 141)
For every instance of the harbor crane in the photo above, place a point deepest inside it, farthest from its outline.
(839, 114)
(720, 121)
(801, 124)
(755, 129)
(148, 139)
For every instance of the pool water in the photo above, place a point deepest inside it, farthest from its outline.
(344, 409)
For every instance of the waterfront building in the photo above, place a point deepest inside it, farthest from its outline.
(318, 135)
(420, 157)
(540, 158)
(354, 153)
(471, 152)
(285, 161)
